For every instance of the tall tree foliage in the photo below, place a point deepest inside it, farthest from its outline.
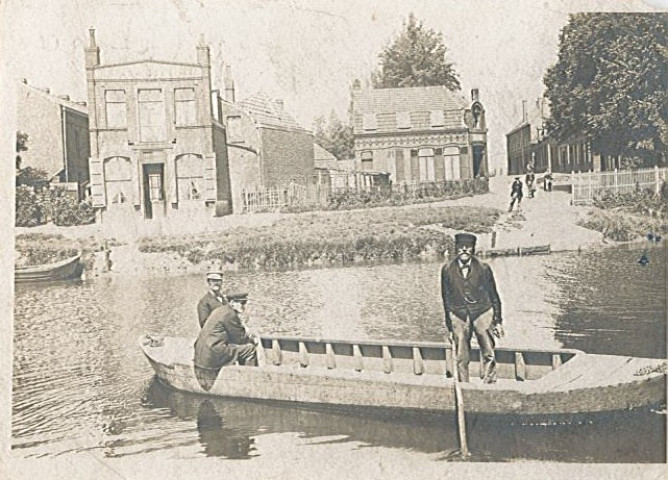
(334, 136)
(610, 83)
(416, 57)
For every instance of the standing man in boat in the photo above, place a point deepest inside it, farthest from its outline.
(213, 298)
(472, 305)
(224, 339)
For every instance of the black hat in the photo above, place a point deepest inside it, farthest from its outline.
(237, 296)
(465, 239)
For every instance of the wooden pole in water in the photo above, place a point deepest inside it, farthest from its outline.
(459, 405)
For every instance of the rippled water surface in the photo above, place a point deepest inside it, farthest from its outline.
(82, 384)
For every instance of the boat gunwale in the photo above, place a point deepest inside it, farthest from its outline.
(45, 267)
(419, 344)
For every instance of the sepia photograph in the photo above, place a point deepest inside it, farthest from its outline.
(334, 239)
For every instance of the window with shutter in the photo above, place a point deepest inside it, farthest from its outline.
(118, 180)
(190, 177)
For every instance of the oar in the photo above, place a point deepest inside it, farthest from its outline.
(459, 403)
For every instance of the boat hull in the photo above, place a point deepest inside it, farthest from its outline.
(68, 269)
(567, 391)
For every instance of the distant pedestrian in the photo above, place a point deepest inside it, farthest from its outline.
(530, 181)
(515, 194)
(547, 181)
(472, 305)
(213, 298)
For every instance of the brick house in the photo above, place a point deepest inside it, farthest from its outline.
(157, 153)
(267, 147)
(419, 134)
(528, 141)
(57, 131)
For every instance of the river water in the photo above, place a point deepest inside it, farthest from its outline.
(81, 384)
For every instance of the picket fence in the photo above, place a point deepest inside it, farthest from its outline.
(587, 186)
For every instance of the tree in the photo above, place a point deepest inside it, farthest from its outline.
(335, 136)
(609, 84)
(416, 57)
(31, 177)
(21, 146)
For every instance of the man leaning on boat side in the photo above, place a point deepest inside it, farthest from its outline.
(472, 305)
(224, 339)
(212, 299)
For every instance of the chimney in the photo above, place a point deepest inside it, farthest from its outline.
(229, 84)
(25, 80)
(357, 84)
(203, 57)
(474, 95)
(93, 51)
(64, 97)
(524, 110)
(279, 104)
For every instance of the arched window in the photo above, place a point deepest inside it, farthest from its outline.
(118, 180)
(190, 177)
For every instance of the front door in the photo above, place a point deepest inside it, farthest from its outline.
(154, 190)
(478, 157)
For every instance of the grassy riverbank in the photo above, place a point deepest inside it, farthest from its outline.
(335, 238)
(625, 218)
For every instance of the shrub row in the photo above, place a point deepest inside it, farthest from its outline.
(54, 205)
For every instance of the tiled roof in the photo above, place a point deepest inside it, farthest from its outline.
(383, 104)
(56, 99)
(413, 99)
(268, 112)
(323, 158)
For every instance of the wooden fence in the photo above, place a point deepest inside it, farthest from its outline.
(587, 186)
(271, 199)
(268, 199)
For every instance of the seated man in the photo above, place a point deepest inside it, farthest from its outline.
(224, 339)
(212, 299)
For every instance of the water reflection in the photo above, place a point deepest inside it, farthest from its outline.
(229, 428)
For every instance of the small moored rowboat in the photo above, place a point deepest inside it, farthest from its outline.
(67, 269)
(416, 376)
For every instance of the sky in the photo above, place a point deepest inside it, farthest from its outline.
(304, 52)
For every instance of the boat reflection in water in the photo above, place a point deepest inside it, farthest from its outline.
(228, 428)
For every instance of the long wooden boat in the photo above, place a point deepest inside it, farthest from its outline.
(518, 251)
(417, 376)
(67, 269)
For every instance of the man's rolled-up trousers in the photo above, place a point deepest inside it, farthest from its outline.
(463, 330)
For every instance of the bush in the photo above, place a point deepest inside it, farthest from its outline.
(28, 208)
(55, 205)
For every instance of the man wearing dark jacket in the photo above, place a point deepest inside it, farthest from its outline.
(224, 339)
(472, 305)
(212, 299)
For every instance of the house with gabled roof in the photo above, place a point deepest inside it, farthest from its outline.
(268, 149)
(57, 130)
(528, 143)
(157, 152)
(419, 134)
